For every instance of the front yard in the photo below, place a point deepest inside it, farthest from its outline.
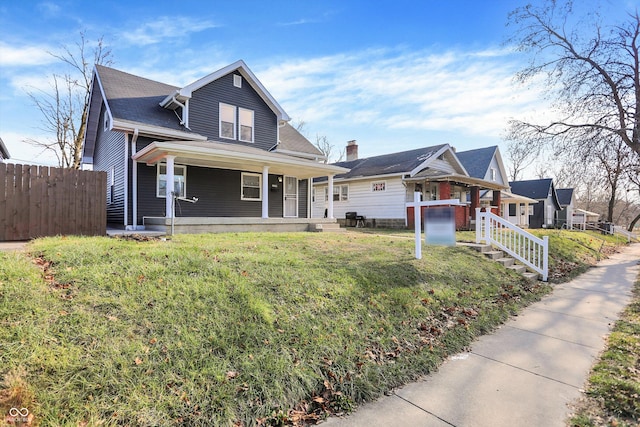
(235, 329)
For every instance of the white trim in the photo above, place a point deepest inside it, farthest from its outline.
(237, 80)
(125, 179)
(243, 174)
(339, 188)
(155, 131)
(310, 156)
(265, 192)
(169, 189)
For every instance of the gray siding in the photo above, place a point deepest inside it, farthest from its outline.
(217, 190)
(204, 111)
(109, 153)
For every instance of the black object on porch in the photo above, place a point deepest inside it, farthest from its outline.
(352, 219)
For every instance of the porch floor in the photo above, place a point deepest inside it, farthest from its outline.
(196, 225)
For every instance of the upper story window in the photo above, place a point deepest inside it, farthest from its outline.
(237, 80)
(494, 174)
(228, 129)
(227, 121)
(246, 125)
(179, 180)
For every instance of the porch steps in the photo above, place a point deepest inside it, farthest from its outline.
(506, 261)
(333, 227)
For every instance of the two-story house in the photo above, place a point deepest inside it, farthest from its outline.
(215, 155)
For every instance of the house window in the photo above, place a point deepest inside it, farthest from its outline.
(379, 186)
(512, 209)
(179, 181)
(530, 210)
(227, 121)
(493, 174)
(340, 193)
(237, 80)
(246, 125)
(251, 186)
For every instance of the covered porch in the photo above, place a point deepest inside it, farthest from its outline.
(225, 187)
(459, 191)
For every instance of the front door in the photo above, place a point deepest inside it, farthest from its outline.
(291, 196)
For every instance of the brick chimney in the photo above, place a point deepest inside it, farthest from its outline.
(352, 150)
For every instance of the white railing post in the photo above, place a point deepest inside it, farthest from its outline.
(545, 258)
(417, 225)
(479, 219)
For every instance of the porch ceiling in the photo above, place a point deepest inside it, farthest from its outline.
(233, 156)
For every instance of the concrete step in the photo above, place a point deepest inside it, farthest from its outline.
(518, 268)
(333, 227)
(533, 277)
(494, 255)
(506, 261)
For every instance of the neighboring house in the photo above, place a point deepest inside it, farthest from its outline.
(379, 187)
(4, 153)
(222, 142)
(486, 163)
(544, 213)
(567, 200)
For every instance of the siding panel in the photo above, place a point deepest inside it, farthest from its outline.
(204, 111)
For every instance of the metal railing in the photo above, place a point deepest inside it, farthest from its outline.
(530, 250)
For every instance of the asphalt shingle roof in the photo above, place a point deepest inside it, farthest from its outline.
(477, 162)
(402, 162)
(535, 188)
(564, 196)
(292, 140)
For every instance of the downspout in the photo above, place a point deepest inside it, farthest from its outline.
(134, 180)
(126, 182)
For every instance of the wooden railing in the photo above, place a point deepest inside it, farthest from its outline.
(530, 250)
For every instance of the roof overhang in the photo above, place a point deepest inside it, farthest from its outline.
(459, 179)
(300, 154)
(154, 131)
(509, 197)
(4, 153)
(233, 156)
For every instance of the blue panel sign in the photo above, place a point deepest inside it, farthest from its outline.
(440, 226)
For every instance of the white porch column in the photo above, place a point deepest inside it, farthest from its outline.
(169, 188)
(265, 192)
(330, 197)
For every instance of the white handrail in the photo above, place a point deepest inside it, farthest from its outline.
(530, 250)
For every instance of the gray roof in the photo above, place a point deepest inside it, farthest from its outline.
(137, 99)
(292, 140)
(537, 189)
(477, 161)
(564, 196)
(386, 164)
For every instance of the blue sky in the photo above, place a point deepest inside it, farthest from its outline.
(393, 75)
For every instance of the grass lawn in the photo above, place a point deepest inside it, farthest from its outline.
(234, 329)
(613, 392)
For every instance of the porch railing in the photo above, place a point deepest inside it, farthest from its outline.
(530, 250)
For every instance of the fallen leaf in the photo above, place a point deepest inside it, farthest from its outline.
(232, 374)
(138, 361)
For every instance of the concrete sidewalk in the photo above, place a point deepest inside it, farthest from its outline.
(525, 373)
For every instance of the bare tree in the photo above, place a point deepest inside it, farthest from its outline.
(328, 150)
(592, 72)
(65, 108)
(520, 155)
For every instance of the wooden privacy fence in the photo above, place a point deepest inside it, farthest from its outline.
(38, 201)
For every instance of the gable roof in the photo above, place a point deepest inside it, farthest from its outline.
(537, 189)
(395, 163)
(477, 161)
(184, 93)
(565, 195)
(294, 143)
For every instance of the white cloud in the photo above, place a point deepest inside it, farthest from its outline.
(24, 55)
(471, 92)
(163, 29)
